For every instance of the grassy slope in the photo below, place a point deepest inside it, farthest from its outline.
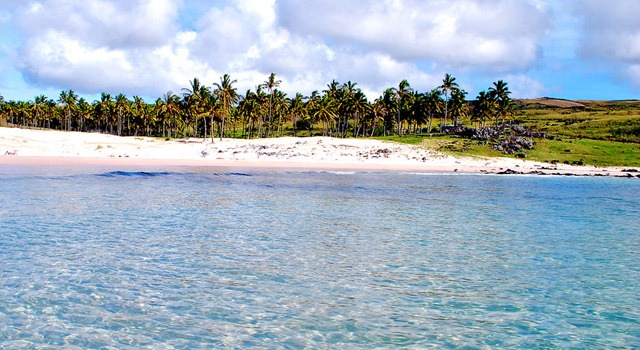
(602, 133)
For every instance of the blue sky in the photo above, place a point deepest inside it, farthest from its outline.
(574, 49)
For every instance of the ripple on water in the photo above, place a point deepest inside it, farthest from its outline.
(317, 259)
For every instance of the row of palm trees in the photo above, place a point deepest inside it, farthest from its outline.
(218, 110)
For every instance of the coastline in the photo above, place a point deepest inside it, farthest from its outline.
(46, 149)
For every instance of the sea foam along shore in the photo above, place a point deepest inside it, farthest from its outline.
(48, 147)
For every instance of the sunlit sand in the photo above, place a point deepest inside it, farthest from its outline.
(50, 148)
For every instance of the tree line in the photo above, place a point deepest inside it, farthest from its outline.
(219, 110)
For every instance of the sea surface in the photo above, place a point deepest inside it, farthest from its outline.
(227, 258)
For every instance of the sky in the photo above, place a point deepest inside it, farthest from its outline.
(572, 49)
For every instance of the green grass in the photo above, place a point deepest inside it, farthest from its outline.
(593, 152)
(599, 120)
(590, 152)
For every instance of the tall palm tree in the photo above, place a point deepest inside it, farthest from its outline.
(296, 110)
(279, 107)
(271, 83)
(500, 92)
(2, 111)
(171, 110)
(263, 104)
(434, 105)
(418, 114)
(378, 110)
(459, 107)
(401, 94)
(324, 112)
(249, 110)
(49, 110)
(484, 107)
(194, 99)
(310, 106)
(84, 112)
(228, 96)
(360, 105)
(39, 109)
(68, 99)
(390, 102)
(122, 107)
(103, 110)
(448, 84)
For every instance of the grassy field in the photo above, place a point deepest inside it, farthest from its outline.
(601, 133)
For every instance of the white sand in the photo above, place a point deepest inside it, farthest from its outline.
(47, 147)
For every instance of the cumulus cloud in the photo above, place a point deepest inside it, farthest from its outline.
(611, 32)
(150, 46)
(524, 86)
(492, 34)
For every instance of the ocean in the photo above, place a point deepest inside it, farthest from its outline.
(239, 258)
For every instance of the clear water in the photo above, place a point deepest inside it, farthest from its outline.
(276, 259)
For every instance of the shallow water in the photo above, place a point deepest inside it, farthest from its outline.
(276, 259)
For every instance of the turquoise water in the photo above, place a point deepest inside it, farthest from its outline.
(275, 259)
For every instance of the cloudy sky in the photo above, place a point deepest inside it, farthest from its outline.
(575, 49)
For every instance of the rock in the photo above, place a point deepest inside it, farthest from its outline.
(510, 172)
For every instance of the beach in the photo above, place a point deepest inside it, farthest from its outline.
(45, 148)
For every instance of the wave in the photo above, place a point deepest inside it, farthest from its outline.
(233, 174)
(136, 174)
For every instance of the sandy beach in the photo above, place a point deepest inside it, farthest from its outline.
(47, 148)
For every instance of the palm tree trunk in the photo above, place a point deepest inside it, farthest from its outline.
(212, 136)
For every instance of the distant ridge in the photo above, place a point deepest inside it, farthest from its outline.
(554, 103)
(551, 102)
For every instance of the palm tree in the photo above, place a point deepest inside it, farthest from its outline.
(434, 105)
(484, 107)
(249, 110)
(310, 106)
(279, 107)
(448, 84)
(401, 93)
(122, 107)
(324, 112)
(378, 110)
(261, 100)
(84, 112)
(194, 98)
(346, 98)
(68, 99)
(500, 92)
(297, 110)
(104, 111)
(459, 107)
(360, 106)
(170, 108)
(142, 115)
(390, 103)
(228, 96)
(38, 109)
(271, 83)
(2, 111)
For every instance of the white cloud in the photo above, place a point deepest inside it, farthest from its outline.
(493, 34)
(524, 86)
(141, 46)
(611, 32)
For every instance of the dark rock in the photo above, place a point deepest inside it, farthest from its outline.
(510, 172)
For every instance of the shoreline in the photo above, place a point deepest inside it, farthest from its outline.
(47, 149)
